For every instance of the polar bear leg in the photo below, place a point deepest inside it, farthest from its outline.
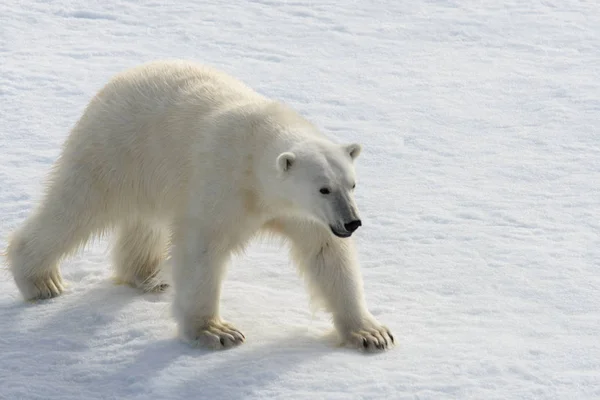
(67, 217)
(198, 271)
(331, 270)
(139, 253)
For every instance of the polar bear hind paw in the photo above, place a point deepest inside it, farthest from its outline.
(153, 285)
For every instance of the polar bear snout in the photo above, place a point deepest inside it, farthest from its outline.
(352, 225)
(345, 217)
(348, 230)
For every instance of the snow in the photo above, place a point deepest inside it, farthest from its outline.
(478, 187)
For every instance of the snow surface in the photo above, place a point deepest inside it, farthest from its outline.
(478, 188)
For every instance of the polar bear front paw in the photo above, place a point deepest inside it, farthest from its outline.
(215, 335)
(370, 338)
(40, 287)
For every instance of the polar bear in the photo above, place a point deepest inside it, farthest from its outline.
(184, 160)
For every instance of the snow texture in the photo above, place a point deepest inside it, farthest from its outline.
(478, 187)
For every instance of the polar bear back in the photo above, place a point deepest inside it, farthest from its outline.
(151, 128)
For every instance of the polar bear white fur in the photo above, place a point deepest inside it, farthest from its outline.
(179, 155)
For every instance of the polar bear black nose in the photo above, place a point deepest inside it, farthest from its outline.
(352, 225)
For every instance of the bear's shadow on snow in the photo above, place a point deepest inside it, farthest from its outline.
(78, 320)
(234, 373)
(228, 374)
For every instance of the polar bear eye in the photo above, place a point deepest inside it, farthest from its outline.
(325, 190)
(353, 186)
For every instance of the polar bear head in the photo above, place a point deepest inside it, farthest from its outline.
(317, 179)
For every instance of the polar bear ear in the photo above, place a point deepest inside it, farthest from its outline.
(353, 150)
(285, 161)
